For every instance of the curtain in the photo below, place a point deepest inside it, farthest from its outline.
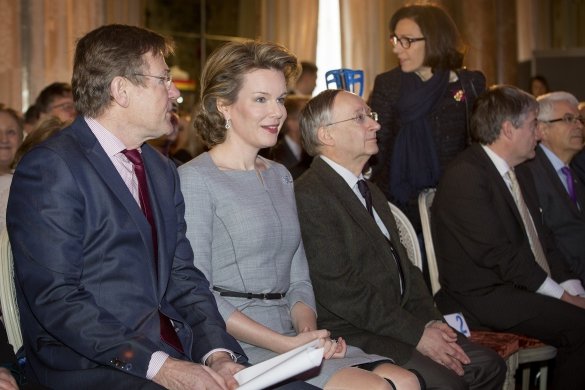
(10, 72)
(50, 29)
(292, 24)
(365, 37)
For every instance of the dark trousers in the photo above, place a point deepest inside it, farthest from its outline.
(562, 325)
(486, 371)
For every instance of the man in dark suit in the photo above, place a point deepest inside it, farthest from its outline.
(107, 290)
(366, 289)
(561, 193)
(498, 264)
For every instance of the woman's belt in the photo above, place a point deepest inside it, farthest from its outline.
(226, 293)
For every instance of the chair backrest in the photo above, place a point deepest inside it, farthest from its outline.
(425, 200)
(408, 236)
(8, 302)
(348, 79)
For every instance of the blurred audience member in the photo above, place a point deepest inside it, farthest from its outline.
(31, 118)
(423, 105)
(57, 100)
(163, 144)
(539, 86)
(560, 192)
(188, 144)
(307, 81)
(289, 150)
(11, 135)
(42, 131)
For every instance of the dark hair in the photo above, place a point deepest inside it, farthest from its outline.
(444, 48)
(295, 103)
(223, 76)
(32, 115)
(498, 104)
(107, 52)
(49, 94)
(43, 130)
(316, 113)
(308, 67)
(541, 79)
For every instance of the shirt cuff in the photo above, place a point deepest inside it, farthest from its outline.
(208, 354)
(551, 288)
(573, 287)
(156, 362)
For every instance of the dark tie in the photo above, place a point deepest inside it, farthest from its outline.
(365, 191)
(367, 194)
(570, 183)
(167, 333)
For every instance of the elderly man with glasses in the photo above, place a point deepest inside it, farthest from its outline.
(560, 192)
(367, 290)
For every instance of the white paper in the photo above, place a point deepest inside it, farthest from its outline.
(457, 321)
(280, 367)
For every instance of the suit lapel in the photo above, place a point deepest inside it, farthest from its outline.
(102, 164)
(383, 209)
(158, 186)
(348, 199)
(498, 180)
(547, 168)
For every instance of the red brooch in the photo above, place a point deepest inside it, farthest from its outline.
(459, 95)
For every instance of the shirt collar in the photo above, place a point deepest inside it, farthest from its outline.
(345, 173)
(501, 164)
(111, 144)
(556, 162)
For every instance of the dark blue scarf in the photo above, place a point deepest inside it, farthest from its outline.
(414, 161)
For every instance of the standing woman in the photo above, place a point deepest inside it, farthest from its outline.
(242, 220)
(423, 105)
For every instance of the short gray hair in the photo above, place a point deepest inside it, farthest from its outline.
(315, 114)
(546, 103)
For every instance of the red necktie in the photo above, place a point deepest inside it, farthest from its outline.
(167, 332)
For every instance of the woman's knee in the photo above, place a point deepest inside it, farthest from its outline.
(401, 378)
(352, 378)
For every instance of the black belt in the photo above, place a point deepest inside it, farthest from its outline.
(227, 293)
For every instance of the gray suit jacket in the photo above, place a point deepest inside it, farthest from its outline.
(354, 275)
(560, 214)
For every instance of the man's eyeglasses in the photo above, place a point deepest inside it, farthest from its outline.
(568, 119)
(360, 119)
(404, 41)
(168, 79)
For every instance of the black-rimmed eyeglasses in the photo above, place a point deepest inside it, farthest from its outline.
(360, 119)
(568, 119)
(404, 41)
(168, 79)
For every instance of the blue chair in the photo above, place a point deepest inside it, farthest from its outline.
(348, 79)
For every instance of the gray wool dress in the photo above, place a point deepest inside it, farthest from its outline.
(244, 230)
